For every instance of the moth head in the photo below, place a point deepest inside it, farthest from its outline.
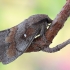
(49, 20)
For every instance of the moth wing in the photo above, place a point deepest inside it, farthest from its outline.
(9, 53)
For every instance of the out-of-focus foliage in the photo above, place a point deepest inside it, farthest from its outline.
(12, 12)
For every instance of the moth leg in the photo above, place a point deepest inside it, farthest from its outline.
(43, 30)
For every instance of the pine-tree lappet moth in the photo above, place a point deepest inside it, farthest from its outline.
(16, 40)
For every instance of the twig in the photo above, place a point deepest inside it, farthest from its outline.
(56, 48)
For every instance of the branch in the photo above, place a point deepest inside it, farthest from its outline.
(56, 48)
(57, 24)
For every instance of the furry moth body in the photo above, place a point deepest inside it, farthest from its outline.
(15, 41)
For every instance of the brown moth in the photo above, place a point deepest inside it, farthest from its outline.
(16, 40)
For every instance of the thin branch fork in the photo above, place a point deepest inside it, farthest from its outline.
(57, 24)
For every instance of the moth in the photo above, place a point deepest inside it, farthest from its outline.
(16, 40)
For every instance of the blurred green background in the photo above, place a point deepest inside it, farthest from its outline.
(12, 12)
